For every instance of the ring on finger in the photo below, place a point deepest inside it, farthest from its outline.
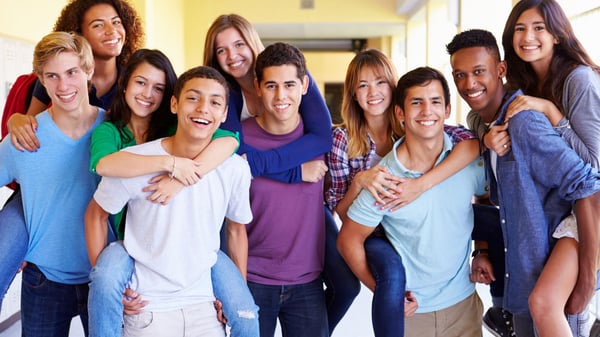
(505, 146)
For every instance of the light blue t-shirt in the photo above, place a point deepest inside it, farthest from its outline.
(433, 233)
(56, 186)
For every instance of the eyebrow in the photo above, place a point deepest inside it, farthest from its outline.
(200, 92)
(102, 20)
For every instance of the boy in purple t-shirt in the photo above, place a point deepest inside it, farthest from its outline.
(286, 239)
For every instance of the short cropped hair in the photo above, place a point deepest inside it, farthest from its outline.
(421, 76)
(60, 42)
(200, 72)
(474, 38)
(279, 54)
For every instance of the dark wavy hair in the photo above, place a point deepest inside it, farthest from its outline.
(71, 17)
(568, 53)
(162, 120)
(474, 38)
(421, 76)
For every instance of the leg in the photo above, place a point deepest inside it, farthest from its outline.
(47, 307)
(267, 299)
(14, 241)
(238, 304)
(390, 285)
(549, 296)
(303, 311)
(108, 280)
(341, 284)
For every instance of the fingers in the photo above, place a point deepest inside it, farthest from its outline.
(132, 302)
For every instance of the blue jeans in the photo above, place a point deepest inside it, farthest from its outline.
(299, 307)
(342, 286)
(387, 308)
(14, 241)
(114, 268)
(48, 307)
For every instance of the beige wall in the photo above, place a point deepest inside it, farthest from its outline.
(28, 20)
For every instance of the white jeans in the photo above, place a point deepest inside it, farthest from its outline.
(193, 321)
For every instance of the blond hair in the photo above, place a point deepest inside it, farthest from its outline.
(59, 42)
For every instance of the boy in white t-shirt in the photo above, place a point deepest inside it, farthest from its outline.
(175, 245)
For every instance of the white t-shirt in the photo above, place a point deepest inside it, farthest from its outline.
(174, 246)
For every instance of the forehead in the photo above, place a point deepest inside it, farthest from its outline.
(282, 73)
(471, 57)
(61, 62)
(205, 86)
(228, 35)
(530, 15)
(99, 11)
(427, 90)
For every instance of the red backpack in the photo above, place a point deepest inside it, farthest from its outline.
(18, 98)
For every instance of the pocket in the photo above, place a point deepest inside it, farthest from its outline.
(138, 321)
(33, 277)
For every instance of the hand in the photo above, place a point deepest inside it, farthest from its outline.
(410, 304)
(162, 189)
(186, 171)
(524, 102)
(481, 269)
(379, 182)
(498, 139)
(407, 191)
(132, 302)
(22, 132)
(313, 171)
(582, 293)
(219, 308)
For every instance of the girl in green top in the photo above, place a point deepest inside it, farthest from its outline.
(141, 112)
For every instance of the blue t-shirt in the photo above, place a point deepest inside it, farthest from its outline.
(56, 186)
(433, 233)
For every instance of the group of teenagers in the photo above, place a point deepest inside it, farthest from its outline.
(155, 205)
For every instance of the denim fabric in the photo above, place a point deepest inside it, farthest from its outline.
(342, 286)
(108, 279)
(114, 268)
(48, 307)
(238, 304)
(487, 228)
(300, 309)
(536, 183)
(387, 309)
(14, 240)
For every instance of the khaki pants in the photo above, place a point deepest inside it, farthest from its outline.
(198, 320)
(460, 320)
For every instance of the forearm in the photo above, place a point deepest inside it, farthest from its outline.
(237, 246)
(344, 204)
(462, 155)
(587, 211)
(96, 230)
(127, 165)
(36, 106)
(352, 249)
(216, 153)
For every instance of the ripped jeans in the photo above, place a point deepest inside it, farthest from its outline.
(114, 269)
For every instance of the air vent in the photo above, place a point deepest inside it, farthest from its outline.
(307, 4)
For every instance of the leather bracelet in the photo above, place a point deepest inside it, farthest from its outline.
(480, 251)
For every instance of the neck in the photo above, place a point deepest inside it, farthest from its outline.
(139, 128)
(105, 67)
(379, 130)
(181, 146)
(74, 123)
(491, 113)
(278, 127)
(418, 154)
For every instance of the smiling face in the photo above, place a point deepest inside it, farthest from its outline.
(373, 92)
(532, 41)
(424, 111)
(201, 107)
(145, 90)
(103, 29)
(66, 82)
(233, 53)
(478, 77)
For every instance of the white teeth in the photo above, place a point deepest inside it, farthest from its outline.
(144, 103)
(200, 121)
(236, 64)
(281, 106)
(66, 96)
(377, 101)
(529, 47)
(114, 41)
(427, 123)
(475, 94)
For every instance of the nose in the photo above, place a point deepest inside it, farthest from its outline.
(147, 91)
(202, 105)
(279, 92)
(109, 29)
(470, 81)
(62, 83)
(529, 34)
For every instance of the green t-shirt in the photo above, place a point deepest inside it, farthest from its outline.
(107, 139)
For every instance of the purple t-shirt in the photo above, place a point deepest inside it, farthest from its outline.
(286, 239)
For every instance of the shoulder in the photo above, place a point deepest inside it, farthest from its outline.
(582, 76)
(149, 148)
(340, 135)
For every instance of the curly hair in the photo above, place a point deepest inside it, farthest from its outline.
(71, 17)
